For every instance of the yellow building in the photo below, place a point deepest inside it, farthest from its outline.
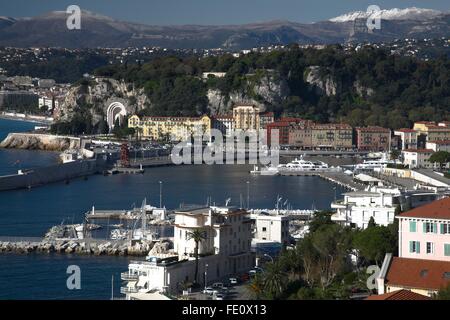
(246, 117)
(170, 128)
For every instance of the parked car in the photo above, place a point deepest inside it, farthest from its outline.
(233, 281)
(220, 296)
(218, 285)
(210, 290)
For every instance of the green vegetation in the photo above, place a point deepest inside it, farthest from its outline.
(440, 157)
(198, 236)
(394, 91)
(444, 294)
(319, 266)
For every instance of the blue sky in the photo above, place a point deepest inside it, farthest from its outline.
(212, 11)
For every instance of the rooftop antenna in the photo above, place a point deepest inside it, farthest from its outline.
(227, 201)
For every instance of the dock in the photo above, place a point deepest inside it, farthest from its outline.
(337, 177)
(113, 214)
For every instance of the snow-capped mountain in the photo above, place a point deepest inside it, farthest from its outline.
(391, 14)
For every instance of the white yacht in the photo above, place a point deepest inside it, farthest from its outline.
(375, 164)
(306, 165)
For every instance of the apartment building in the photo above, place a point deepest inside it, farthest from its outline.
(442, 145)
(423, 263)
(332, 136)
(271, 228)
(417, 158)
(379, 203)
(407, 138)
(373, 138)
(224, 249)
(246, 117)
(170, 128)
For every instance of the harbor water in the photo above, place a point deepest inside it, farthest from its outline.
(30, 213)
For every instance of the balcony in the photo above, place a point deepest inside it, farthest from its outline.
(125, 276)
(127, 290)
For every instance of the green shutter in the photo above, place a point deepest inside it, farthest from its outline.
(424, 224)
(412, 226)
(418, 246)
(447, 249)
(411, 243)
(442, 228)
(435, 227)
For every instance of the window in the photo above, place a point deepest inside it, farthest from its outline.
(414, 247)
(412, 226)
(447, 249)
(430, 247)
(429, 227)
(264, 229)
(445, 228)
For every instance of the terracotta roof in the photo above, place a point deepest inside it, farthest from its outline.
(440, 142)
(405, 130)
(372, 129)
(399, 295)
(439, 209)
(418, 273)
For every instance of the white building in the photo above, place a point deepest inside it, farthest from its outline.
(442, 145)
(358, 207)
(417, 158)
(272, 228)
(408, 138)
(225, 250)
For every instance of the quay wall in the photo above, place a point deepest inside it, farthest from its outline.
(55, 173)
(71, 246)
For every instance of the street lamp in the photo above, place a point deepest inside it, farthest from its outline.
(206, 273)
(248, 195)
(160, 194)
(266, 255)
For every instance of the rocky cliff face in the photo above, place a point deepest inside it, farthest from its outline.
(323, 84)
(39, 142)
(98, 94)
(262, 91)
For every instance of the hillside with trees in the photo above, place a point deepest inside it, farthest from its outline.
(368, 86)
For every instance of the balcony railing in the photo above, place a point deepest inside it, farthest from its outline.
(125, 276)
(126, 290)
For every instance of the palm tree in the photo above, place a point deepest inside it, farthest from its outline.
(274, 280)
(197, 235)
(256, 286)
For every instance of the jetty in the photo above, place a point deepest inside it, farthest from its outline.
(88, 246)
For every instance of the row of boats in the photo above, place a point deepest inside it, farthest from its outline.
(301, 165)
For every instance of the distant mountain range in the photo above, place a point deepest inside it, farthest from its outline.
(50, 30)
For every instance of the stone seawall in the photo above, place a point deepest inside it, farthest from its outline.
(54, 173)
(34, 141)
(87, 247)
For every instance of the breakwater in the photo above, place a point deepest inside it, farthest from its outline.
(74, 246)
(36, 141)
(44, 175)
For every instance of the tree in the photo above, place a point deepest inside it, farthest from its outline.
(373, 243)
(371, 223)
(274, 280)
(441, 157)
(198, 236)
(256, 287)
(444, 293)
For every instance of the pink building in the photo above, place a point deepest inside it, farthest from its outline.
(424, 232)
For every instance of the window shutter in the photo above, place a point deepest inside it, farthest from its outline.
(418, 246)
(447, 249)
(411, 244)
(424, 224)
(435, 227)
(442, 228)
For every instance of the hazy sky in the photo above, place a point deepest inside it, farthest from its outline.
(212, 11)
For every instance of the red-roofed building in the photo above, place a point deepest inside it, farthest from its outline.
(425, 277)
(373, 138)
(443, 145)
(424, 232)
(399, 295)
